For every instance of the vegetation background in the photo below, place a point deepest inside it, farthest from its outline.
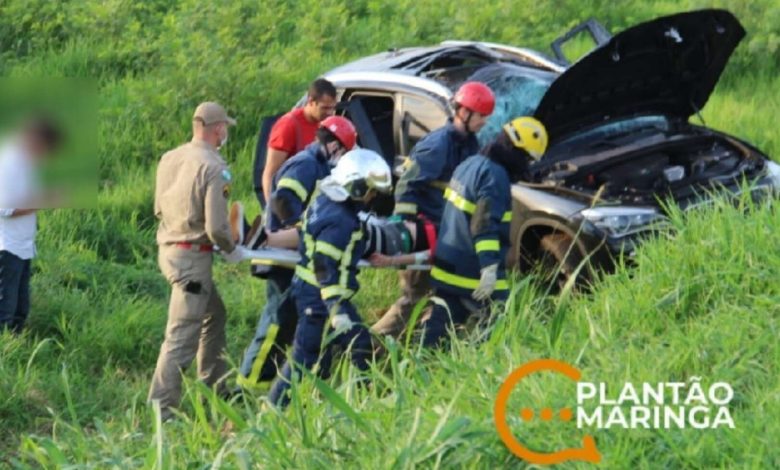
(704, 302)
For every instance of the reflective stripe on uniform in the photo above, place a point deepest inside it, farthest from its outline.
(462, 282)
(459, 201)
(346, 260)
(467, 206)
(306, 275)
(405, 208)
(487, 245)
(294, 186)
(265, 348)
(335, 291)
(327, 249)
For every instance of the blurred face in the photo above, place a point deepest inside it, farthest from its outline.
(476, 122)
(334, 150)
(322, 108)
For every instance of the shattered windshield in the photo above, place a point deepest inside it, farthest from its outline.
(518, 92)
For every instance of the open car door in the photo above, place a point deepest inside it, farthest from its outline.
(580, 40)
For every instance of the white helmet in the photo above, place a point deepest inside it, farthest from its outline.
(357, 172)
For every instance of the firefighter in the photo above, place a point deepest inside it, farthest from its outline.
(326, 277)
(469, 263)
(292, 189)
(420, 190)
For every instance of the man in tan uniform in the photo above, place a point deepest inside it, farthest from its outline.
(191, 195)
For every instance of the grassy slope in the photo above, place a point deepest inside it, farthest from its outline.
(73, 389)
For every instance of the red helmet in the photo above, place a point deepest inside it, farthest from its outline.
(342, 128)
(477, 97)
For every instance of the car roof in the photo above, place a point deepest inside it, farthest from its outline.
(445, 64)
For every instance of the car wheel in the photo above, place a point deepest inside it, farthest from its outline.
(559, 259)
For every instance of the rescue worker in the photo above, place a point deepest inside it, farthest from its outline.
(293, 186)
(420, 190)
(191, 194)
(297, 129)
(326, 277)
(469, 263)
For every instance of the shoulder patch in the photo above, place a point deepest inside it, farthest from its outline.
(226, 175)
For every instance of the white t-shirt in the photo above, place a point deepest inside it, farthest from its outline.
(18, 185)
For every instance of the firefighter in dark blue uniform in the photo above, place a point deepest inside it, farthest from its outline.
(469, 263)
(292, 189)
(325, 280)
(419, 192)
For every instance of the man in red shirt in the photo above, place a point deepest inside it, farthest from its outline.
(296, 129)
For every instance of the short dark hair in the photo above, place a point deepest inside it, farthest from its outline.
(44, 129)
(320, 88)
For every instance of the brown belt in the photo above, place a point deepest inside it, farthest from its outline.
(195, 247)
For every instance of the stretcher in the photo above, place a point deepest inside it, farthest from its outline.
(289, 258)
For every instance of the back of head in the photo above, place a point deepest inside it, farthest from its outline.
(521, 141)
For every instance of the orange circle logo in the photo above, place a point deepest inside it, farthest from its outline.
(587, 452)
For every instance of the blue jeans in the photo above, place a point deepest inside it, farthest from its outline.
(275, 329)
(14, 291)
(308, 348)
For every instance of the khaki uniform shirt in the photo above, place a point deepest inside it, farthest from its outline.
(190, 198)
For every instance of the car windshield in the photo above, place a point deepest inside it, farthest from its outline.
(518, 92)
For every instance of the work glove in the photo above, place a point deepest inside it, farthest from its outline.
(237, 255)
(487, 283)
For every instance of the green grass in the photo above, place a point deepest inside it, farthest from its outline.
(72, 389)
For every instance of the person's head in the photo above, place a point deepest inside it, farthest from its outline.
(337, 136)
(359, 175)
(521, 141)
(42, 136)
(320, 101)
(210, 124)
(473, 104)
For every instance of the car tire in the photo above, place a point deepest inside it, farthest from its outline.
(559, 259)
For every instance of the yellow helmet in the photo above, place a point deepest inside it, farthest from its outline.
(529, 134)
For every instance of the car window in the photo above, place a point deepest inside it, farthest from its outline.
(379, 109)
(419, 116)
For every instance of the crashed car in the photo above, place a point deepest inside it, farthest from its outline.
(618, 119)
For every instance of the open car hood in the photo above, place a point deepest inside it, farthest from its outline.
(668, 66)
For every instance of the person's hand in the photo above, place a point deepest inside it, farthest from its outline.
(378, 260)
(487, 283)
(237, 255)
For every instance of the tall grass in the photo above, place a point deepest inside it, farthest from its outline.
(700, 302)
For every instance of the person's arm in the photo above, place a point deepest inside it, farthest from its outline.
(287, 238)
(216, 212)
(293, 187)
(274, 160)
(281, 144)
(379, 260)
(425, 164)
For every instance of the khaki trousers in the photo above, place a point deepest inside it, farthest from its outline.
(196, 326)
(414, 286)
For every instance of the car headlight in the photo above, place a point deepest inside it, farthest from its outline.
(620, 221)
(773, 172)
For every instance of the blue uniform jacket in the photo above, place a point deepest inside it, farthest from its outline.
(429, 169)
(331, 246)
(474, 230)
(295, 182)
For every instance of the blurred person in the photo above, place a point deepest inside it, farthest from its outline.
(419, 193)
(20, 199)
(292, 189)
(326, 277)
(191, 195)
(469, 263)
